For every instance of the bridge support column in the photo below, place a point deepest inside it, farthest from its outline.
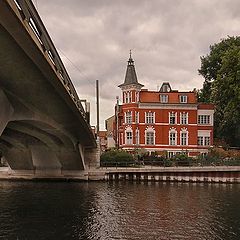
(5, 112)
(45, 161)
(81, 152)
(71, 160)
(92, 156)
(20, 160)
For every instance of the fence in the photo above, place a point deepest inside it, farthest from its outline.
(174, 162)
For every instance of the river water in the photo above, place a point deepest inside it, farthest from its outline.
(120, 210)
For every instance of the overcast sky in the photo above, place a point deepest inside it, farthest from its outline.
(167, 38)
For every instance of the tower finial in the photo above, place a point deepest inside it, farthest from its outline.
(130, 53)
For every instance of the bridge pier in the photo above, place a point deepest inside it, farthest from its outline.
(92, 156)
(70, 160)
(20, 160)
(6, 111)
(45, 161)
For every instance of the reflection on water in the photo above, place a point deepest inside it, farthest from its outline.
(123, 210)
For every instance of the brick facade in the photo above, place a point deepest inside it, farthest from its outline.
(164, 121)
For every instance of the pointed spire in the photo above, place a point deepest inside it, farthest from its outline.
(130, 61)
(131, 76)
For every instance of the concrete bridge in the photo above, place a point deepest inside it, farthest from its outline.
(43, 126)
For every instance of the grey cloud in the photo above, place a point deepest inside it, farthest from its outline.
(167, 38)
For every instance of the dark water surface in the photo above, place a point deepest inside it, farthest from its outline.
(124, 210)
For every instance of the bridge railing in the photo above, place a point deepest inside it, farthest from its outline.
(29, 16)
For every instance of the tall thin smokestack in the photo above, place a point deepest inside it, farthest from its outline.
(97, 94)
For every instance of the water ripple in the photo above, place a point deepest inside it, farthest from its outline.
(121, 210)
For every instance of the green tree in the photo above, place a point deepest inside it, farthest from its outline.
(221, 71)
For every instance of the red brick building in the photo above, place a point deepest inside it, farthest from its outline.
(165, 120)
(103, 140)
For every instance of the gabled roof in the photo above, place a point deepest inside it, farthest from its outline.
(165, 87)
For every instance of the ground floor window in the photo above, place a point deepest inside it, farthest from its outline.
(203, 154)
(203, 141)
(172, 154)
(200, 141)
(207, 141)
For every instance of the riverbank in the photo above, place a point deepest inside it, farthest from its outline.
(218, 174)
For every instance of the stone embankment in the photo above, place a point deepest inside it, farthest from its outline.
(224, 174)
(213, 174)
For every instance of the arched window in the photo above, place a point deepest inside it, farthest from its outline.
(137, 137)
(172, 137)
(137, 117)
(137, 97)
(130, 97)
(150, 136)
(128, 136)
(126, 97)
(184, 137)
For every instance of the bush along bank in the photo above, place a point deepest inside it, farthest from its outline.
(120, 158)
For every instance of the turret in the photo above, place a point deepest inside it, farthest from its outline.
(130, 88)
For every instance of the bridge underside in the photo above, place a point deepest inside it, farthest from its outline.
(41, 130)
(32, 143)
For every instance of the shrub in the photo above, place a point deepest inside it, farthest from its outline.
(183, 160)
(114, 158)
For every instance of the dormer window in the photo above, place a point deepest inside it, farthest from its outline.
(165, 87)
(183, 98)
(163, 98)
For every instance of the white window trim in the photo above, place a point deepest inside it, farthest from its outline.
(171, 154)
(204, 140)
(184, 131)
(137, 137)
(163, 98)
(152, 130)
(172, 130)
(136, 96)
(181, 118)
(136, 117)
(127, 97)
(201, 118)
(169, 114)
(126, 117)
(206, 112)
(152, 116)
(128, 130)
(185, 97)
